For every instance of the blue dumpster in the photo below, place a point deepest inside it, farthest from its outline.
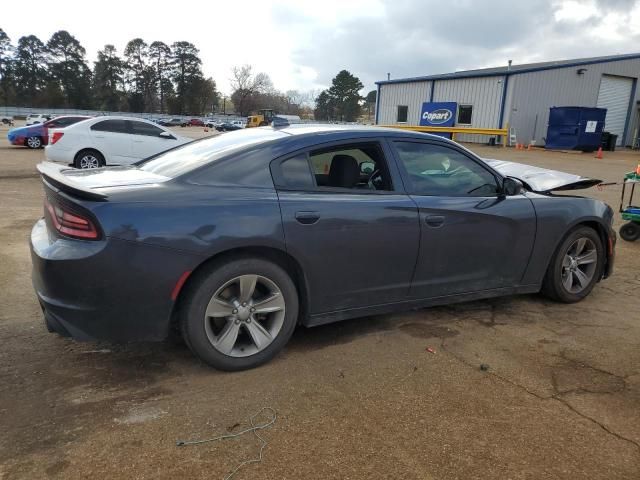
(575, 128)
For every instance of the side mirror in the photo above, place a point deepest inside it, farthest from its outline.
(166, 135)
(512, 186)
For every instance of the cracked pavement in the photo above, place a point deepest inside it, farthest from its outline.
(559, 398)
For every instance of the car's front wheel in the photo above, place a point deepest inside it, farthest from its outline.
(34, 142)
(576, 266)
(239, 314)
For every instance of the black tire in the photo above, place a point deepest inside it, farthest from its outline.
(553, 286)
(81, 159)
(34, 142)
(263, 123)
(203, 287)
(630, 231)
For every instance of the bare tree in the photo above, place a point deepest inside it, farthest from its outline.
(246, 87)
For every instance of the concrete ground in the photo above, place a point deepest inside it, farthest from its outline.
(358, 399)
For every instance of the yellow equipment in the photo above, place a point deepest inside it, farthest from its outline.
(264, 117)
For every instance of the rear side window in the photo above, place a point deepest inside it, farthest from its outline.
(358, 167)
(142, 128)
(295, 173)
(115, 126)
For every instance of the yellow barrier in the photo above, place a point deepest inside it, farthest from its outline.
(503, 132)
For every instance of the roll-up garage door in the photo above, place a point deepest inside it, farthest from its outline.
(614, 95)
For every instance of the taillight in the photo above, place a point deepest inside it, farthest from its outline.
(56, 136)
(70, 223)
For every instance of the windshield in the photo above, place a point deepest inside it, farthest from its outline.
(181, 160)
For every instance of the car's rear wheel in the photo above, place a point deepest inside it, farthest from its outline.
(239, 314)
(34, 142)
(576, 266)
(86, 159)
(630, 231)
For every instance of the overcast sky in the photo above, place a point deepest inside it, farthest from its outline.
(302, 44)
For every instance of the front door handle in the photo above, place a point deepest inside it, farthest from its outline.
(307, 218)
(435, 220)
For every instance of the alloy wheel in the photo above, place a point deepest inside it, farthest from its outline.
(245, 315)
(579, 265)
(34, 142)
(89, 161)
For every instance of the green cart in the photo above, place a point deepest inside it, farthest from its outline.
(630, 231)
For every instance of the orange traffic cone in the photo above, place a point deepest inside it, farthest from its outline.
(206, 129)
(638, 169)
(599, 154)
(529, 147)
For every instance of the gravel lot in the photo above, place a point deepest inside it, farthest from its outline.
(358, 399)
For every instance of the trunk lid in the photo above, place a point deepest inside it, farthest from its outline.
(542, 180)
(95, 184)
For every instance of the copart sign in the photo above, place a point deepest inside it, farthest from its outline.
(438, 114)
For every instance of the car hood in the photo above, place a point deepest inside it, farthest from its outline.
(22, 130)
(96, 183)
(541, 180)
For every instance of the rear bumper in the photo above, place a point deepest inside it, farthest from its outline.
(58, 154)
(112, 290)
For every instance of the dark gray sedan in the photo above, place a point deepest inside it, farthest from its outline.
(236, 239)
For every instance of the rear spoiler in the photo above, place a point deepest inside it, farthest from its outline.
(53, 175)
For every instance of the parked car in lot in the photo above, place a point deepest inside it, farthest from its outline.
(37, 118)
(193, 122)
(230, 126)
(37, 135)
(237, 238)
(171, 122)
(109, 141)
(213, 123)
(6, 120)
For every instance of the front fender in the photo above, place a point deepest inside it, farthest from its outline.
(556, 217)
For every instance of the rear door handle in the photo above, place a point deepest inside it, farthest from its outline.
(435, 220)
(307, 218)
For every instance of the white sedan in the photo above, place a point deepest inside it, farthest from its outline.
(104, 141)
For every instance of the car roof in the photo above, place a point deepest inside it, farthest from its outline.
(293, 137)
(116, 117)
(72, 116)
(332, 132)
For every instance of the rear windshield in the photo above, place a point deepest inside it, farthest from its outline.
(193, 155)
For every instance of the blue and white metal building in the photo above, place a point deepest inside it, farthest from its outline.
(520, 96)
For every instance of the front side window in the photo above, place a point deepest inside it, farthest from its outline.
(442, 171)
(114, 126)
(142, 128)
(403, 114)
